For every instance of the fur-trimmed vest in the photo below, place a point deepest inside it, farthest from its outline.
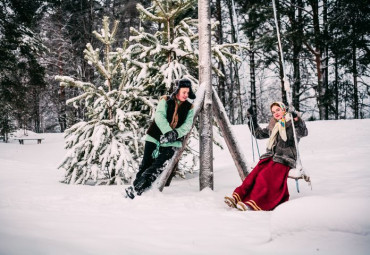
(283, 152)
(176, 115)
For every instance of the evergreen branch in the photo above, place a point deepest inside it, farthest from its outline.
(152, 17)
(114, 30)
(182, 8)
(77, 99)
(162, 9)
(70, 82)
(92, 56)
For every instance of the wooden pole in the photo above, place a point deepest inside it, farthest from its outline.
(232, 144)
(206, 134)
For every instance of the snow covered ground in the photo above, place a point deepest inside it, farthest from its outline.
(40, 215)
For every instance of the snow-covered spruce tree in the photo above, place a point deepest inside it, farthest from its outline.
(157, 59)
(105, 148)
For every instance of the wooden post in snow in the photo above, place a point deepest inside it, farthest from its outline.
(232, 144)
(206, 135)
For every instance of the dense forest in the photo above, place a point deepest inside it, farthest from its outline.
(326, 46)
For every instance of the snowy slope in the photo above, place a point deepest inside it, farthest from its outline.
(39, 215)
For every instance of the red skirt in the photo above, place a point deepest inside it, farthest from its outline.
(265, 187)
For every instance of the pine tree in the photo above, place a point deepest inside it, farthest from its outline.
(105, 148)
(21, 75)
(157, 59)
(350, 39)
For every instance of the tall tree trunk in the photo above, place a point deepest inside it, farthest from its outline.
(326, 59)
(296, 77)
(221, 86)
(205, 79)
(336, 89)
(62, 115)
(235, 68)
(355, 74)
(320, 62)
(231, 101)
(252, 63)
(297, 28)
(354, 69)
(36, 111)
(252, 68)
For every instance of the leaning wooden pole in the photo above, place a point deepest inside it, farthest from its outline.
(205, 78)
(232, 144)
(169, 168)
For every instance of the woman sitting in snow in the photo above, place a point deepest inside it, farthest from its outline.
(173, 120)
(266, 186)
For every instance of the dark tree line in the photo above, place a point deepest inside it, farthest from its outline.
(21, 74)
(325, 45)
(326, 50)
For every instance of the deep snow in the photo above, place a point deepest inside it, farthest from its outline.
(40, 215)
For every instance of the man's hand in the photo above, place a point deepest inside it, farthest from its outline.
(169, 137)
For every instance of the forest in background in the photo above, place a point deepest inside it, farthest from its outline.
(325, 43)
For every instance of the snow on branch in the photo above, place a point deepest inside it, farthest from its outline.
(149, 15)
(105, 148)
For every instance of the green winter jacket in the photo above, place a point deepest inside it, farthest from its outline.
(160, 119)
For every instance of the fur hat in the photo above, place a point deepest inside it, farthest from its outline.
(183, 83)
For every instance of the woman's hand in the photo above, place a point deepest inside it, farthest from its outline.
(294, 113)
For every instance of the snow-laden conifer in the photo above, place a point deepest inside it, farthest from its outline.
(105, 147)
(157, 59)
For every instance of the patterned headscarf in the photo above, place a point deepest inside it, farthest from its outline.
(279, 126)
(281, 105)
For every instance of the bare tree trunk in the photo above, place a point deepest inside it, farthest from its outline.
(36, 111)
(205, 79)
(252, 68)
(221, 88)
(297, 28)
(296, 77)
(320, 61)
(231, 102)
(322, 92)
(62, 115)
(326, 59)
(238, 106)
(355, 85)
(336, 88)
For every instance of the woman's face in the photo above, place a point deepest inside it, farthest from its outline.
(277, 112)
(183, 94)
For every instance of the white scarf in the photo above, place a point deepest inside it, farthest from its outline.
(278, 128)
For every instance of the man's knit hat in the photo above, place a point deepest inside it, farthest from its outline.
(184, 83)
